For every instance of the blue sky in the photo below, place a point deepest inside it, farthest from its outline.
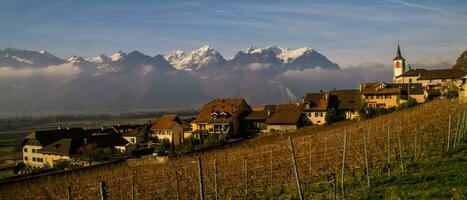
(348, 32)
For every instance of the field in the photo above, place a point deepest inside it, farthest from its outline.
(351, 160)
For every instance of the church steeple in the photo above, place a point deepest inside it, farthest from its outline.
(399, 55)
(398, 63)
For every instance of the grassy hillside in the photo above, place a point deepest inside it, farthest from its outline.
(399, 155)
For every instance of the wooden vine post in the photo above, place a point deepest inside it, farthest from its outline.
(449, 133)
(294, 162)
(215, 181)
(200, 179)
(343, 165)
(366, 158)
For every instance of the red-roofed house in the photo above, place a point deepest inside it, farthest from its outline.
(221, 116)
(168, 127)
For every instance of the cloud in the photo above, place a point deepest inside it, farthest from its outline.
(64, 70)
(423, 7)
(434, 63)
(258, 66)
(317, 79)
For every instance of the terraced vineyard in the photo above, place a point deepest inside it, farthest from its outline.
(313, 164)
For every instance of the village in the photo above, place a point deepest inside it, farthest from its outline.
(231, 119)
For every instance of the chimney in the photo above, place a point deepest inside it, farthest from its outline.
(102, 127)
(85, 141)
(118, 124)
(67, 128)
(59, 127)
(269, 112)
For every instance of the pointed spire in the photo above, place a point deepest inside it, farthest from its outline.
(398, 50)
(399, 55)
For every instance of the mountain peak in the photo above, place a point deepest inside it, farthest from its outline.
(117, 56)
(206, 47)
(197, 59)
(288, 55)
(98, 60)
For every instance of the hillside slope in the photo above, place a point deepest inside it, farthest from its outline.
(330, 160)
(461, 62)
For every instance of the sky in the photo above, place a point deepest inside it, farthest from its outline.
(350, 33)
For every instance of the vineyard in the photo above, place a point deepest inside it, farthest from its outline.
(326, 164)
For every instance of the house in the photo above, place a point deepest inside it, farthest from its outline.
(75, 147)
(286, 117)
(316, 107)
(410, 76)
(120, 128)
(169, 128)
(255, 121)
(37, 140)
(346, 103)
(137, 135)
(221, 116)
(387, 95)
(43, 148)
(436, 82)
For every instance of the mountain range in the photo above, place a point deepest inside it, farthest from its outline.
(32, 81)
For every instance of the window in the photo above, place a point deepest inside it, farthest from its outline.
(34, 159)
(25, 158)
(26, 150)
(202, 127)
(226, 127)
(132, 140)
(33, 150)
(309, 114)
(316, 114)
(410, 80)
(217, 128)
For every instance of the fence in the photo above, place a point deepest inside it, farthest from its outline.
(320, 165)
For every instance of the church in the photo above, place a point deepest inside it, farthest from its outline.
(436, 82)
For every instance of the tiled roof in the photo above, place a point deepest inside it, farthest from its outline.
(378, 88)
(286, 114)
(229, 108)
(60, 147)
(47, 137)
(409, 88)
(442, 74)
(345, 99)
(106, 140)
(137, 132)
(261, 115)
(317, 101)
(69, 146)
(166, 121)
(414, 72)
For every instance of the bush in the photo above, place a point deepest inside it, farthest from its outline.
(62, 164)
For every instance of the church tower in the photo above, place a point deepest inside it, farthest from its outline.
(398, 63)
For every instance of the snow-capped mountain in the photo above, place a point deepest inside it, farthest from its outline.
(198, 59)
(136, 80)
(295, 59)
(117, 56)
(99, 60)
(23, 58)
